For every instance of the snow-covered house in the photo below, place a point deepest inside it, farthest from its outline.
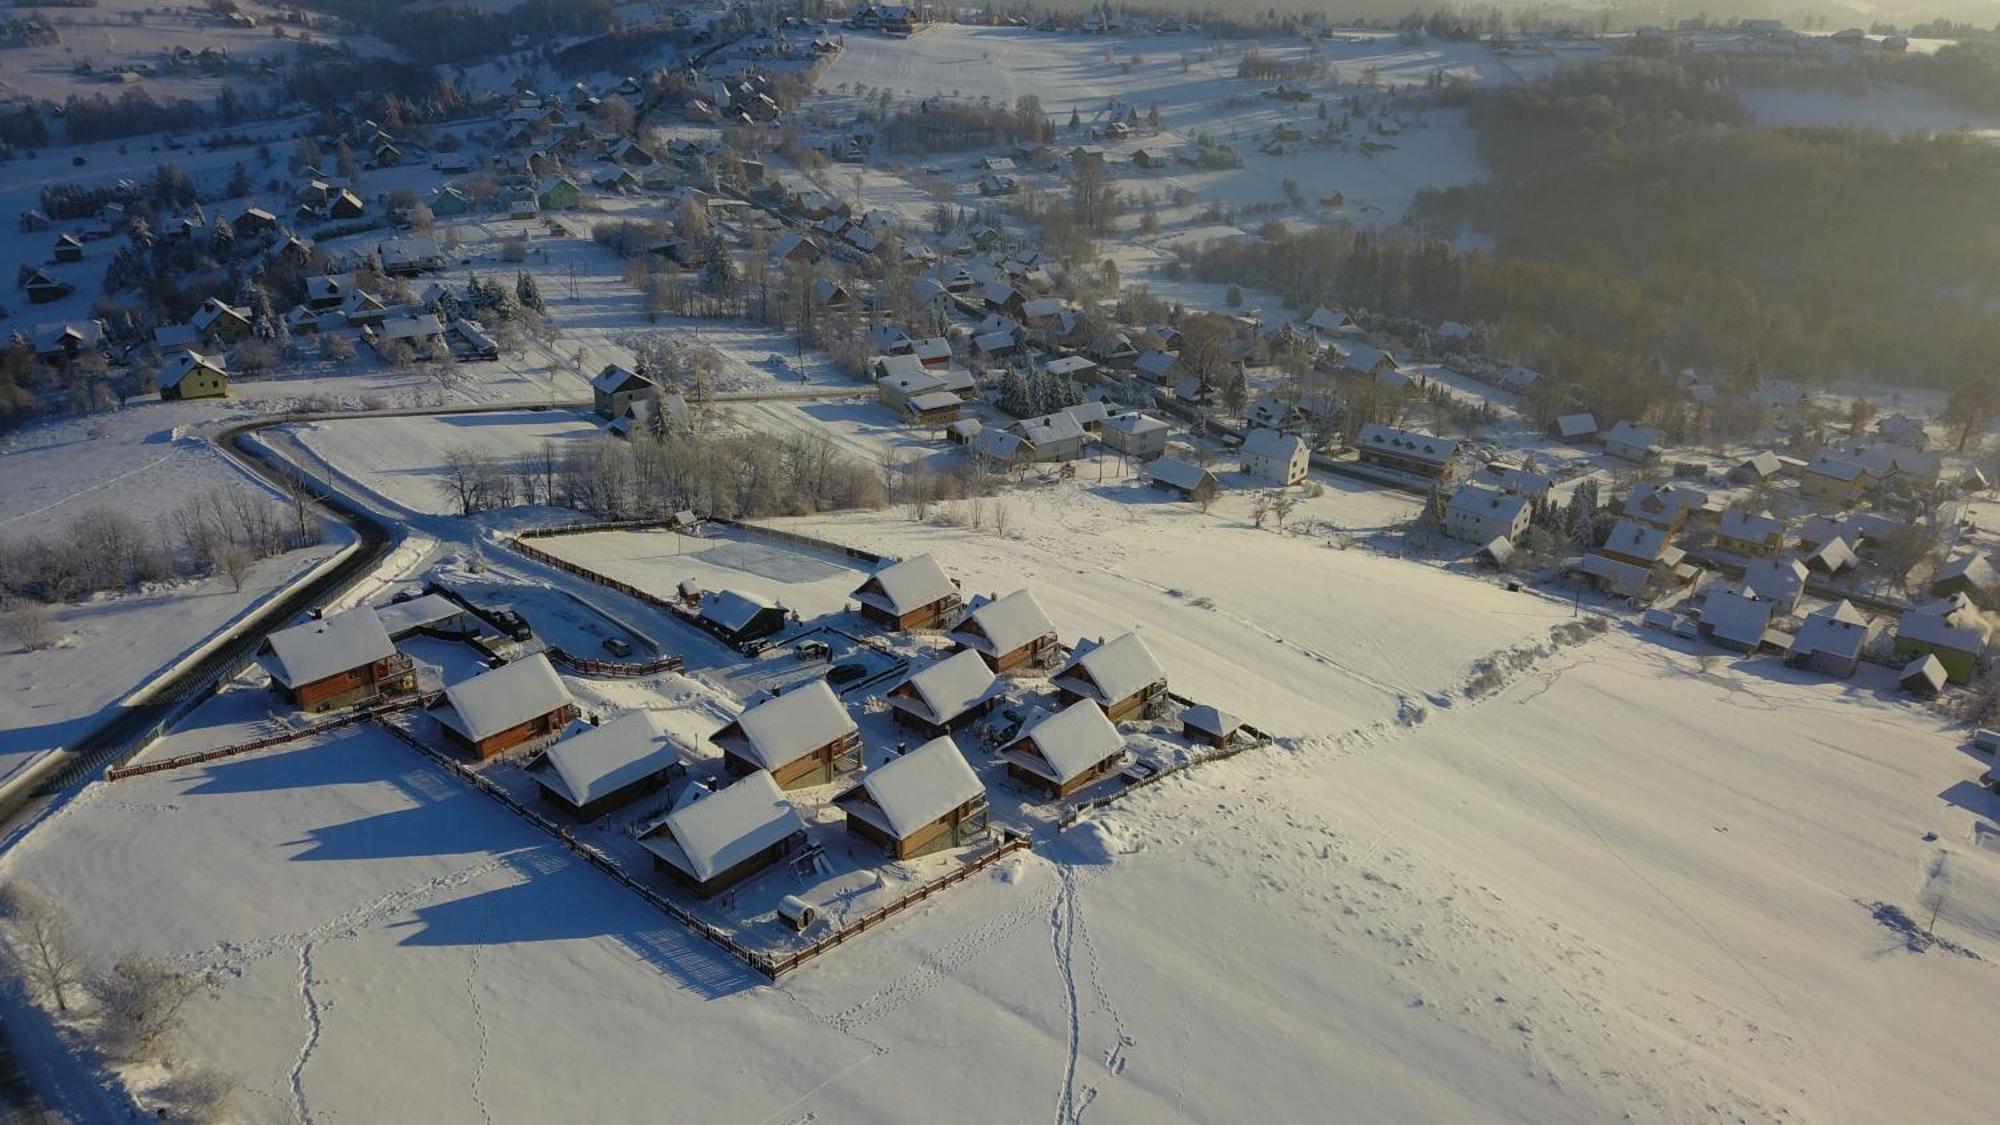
(1629, 442)
(803, 737)
(616, 388)
(1156, 366)
(1134, 434)
(1833, 480)
(1830, 640)
(1972, 575)
(1782, 582)
(925, 801)
(911, 594)
(1575, 427)
(1274, 457)
(1051, 437)
(1478, 514)
(597, 769)
(1120, 676)
(1173, 474)
(1207, 725)
(946, 694)
(1355, 358)
(1951, 630)
(1008, 632)
(1735, 621)
(1066, 751)
(193, 375)
(1835, 556)
(1667, 506)
(339, 659)
(217, 321)
(740, 618)
(718, 841)
(1749, 533)
(498, 710)
(1406, 451)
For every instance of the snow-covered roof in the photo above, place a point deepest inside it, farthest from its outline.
(1776, 580)
(724, 829)
(1973, 569)
(1625, 433)
(403, 617)
(1272, 445)
(907, 585)
(1943, 631)
(614, 378)
(185, 364)
(1479, 500)
(411, 327)
(1636, 540)
(1833, 556)
(1004, 624)
(1835, 467)
(600, 760)
(1048, 429)
(1118, 669)
(1071, 741)
(1135, 423)
(1837, 629)
(731, 609)
(1184, 475)
(1211, 719)
(336, 643)
(1157, 363)
(1928, 668)
(506, 697)
(780, 731)
(1734, 617)
(917, 788)
(948, 688)
(1406, 443)
(1749, 526)
(1576, 425)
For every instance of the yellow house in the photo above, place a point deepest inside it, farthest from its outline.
(192, 375)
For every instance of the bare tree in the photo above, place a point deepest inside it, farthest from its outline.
(30, 625)
(1205, 494)
(139, 1000)
(461, 478)
(42, 943)
(233, 562)
(199, 1093)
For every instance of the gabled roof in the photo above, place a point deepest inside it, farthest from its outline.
(1974, 569)
(1625, 433)
(600, 760)
(1940, 631)
(915, 789)
(1272, 445)
(1838, 630)
(731, 609)
(1775, 580)
(908, 585)
(948, 688)
(1211, 719)
(1836, 468)
(1637, 541)
(336, 643)
(506, 697)
(1049, 428)
(1488, 503)
(780, 731)
(1749, 526)
(1734, 617)
(1135, 423)
(615, 378)
(1406, 443)
(1184, 475)
(1157, 363)
(1005, 624)
(185, 364)
(1576, 425)
(724, 829)
(1070, 741)
(1118, 669)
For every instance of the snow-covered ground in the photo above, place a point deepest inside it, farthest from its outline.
(1893, 109)
(398, 458)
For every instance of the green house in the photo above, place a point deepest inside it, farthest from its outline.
(1957, 640)
(559, 193)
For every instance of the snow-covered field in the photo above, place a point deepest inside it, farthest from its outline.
(398, 458)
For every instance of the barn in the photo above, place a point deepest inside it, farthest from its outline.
(600, 769)
(804, 737)
(509, 706)
(925, 801)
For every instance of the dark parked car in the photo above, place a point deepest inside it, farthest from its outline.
(618, 646)
(846, 673)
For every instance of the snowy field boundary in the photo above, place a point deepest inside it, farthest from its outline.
(359, 715)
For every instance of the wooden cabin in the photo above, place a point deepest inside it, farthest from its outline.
(340, 659)
(716, 841)
(925, 801)
(1009, 632)
(509, 706)
(1120, 676)
(1208, 725)
(599, 769)
(911, 594)
(945, 695)
(803, 737)
(740, 618)
(1066, 751)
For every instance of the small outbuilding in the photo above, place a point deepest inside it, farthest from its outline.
(1209, 725)
(1923, 677)
(740, 618)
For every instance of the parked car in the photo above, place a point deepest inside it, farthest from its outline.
(618, 646)
(846, 673)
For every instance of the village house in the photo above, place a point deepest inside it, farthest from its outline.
(616, 388)
(191, 375)
(1757, 467)
(1574, 427)
(1009, 632)
(1737, 621)
(1903, 430)
(1782, 582)
(1275, 458)
(1478, 514)
(904, 378)
(1830, 640)
(423, 333)
(404, 257)
(911, 594)
(1134, 434)
(334, 661)
(1064, 752)
(1952, 631)
(598, 769)
(1831, 480)
(218, 322)
(1120, 676)
(1173, 474)
(509, 706)
(946, 694)
(741, 618)
(1923, 677)
(1155, 366)
(1749, 533)
(1632, 556)
(1972, 575)
(1832, 557)
(922, 802)
(254, 221)
(66, 340)
(717, 841)
(1515, 480)
(1627, 442)
(1667, 506)
(68, 248)
(1051, 437)
(1405, 451)
(1351, 357)
(802, 738)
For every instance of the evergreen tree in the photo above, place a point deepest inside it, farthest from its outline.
(529, 294)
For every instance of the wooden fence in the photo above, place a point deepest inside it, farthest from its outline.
(591, 666)
(359, 714)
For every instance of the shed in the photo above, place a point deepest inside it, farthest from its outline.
(740, 618)
(1209, 725)
(1923, 677)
